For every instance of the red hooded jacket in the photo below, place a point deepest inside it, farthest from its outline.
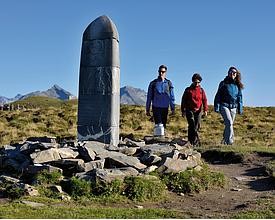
(193, 99)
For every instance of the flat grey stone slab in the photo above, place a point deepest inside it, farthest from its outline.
(159, 149)
(123, 159)
(45, 156)
(176, 165)
(109, 175)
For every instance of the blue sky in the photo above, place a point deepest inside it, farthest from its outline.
(41, 43)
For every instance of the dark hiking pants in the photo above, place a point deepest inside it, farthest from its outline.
(194, 121)
(160, 115)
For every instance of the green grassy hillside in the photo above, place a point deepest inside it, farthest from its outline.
(254, 130)
(41, 117)
(52, 117)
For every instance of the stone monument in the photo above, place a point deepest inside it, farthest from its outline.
(99, 83)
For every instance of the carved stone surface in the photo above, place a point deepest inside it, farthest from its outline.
(99, 83)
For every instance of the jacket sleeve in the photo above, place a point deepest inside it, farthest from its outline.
(149, 97)
(204, 101)
(183, 103)
(172, 98)
(217, 100)
(240, 102)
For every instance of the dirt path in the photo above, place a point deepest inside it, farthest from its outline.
(248, 188)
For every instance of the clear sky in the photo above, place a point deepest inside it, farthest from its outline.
(41, 43)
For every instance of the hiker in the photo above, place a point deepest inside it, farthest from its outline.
(161, 95)
(192, 103)
(228, 102)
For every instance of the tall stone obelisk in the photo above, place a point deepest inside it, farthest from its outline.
(99, 83)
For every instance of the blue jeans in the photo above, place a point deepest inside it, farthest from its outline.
(228, 118)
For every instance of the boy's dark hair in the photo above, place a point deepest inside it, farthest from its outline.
(196, 76)
(162, 66)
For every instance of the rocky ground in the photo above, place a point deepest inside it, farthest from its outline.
(249, 188)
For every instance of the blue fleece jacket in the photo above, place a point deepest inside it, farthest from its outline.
(228, 95)
(160, 95)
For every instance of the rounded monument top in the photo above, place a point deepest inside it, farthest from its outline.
(101, 28)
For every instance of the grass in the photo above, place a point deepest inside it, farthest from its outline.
(142, 189)
(45, 177)
(42, 117)
(89, 200)
(73, 211)
(254, 130)
(192, 181)
(139, 189)
(270, 168)
(265, 209)
(256, 214)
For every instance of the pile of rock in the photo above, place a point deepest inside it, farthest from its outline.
(91, 160)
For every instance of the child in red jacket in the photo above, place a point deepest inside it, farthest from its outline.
(192, 103)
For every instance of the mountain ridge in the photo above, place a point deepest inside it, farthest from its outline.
(132, 96)
(128, 95)
(54, 92)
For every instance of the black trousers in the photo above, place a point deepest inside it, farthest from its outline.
(160, 115)
(194, 121)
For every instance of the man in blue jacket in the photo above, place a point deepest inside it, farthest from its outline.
(161, 95)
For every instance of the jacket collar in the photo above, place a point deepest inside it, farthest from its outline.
(228, 79)
(160, 79)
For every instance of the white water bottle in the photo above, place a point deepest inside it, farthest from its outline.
(159, 130)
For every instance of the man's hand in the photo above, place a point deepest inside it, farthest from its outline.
(205, 113)
(183, 113)
(173, 112)
(148, 113)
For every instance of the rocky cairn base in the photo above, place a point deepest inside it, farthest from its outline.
(92, 160)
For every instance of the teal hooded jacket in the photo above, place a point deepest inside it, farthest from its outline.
(228, 95)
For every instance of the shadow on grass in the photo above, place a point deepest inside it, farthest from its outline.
(220, 157)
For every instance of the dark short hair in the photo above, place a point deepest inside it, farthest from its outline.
(196, 76)
(162, 66)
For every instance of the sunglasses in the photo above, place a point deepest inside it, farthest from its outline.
(233, 72)
(196, 82)
(162, 71)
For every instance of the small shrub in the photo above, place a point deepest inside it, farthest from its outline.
(193, 181)
(142, 189)
(79, 188)
(181, 182)
(112, 189)
(12, 191)
(47, 192)
(46, 177)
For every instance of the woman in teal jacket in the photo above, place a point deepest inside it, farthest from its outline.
(228, 102)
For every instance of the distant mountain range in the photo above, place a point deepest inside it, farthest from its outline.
(132, 96)
(128, 95)
(54, 92)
